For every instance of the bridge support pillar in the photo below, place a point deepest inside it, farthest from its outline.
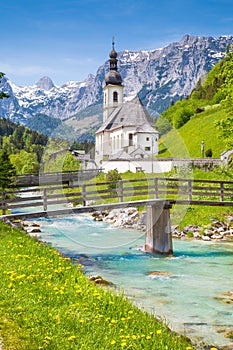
(158, 230)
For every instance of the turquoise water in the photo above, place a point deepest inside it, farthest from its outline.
(184, 297)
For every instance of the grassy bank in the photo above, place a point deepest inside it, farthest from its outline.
(183, 215)
(47, 302)
(186, 141)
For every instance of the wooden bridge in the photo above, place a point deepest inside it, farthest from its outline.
(50, 178)
(157, 194)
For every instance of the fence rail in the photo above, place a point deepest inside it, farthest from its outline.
(49, 178)
(179, 191)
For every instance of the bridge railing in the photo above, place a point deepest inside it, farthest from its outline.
(176, 190)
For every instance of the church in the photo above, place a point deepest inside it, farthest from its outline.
(127, 134)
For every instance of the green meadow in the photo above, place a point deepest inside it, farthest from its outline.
(186, 141)
(47, 302)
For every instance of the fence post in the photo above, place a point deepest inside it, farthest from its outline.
(121, 193)
(45, 203)
(84, 195)
(189, 190)
(221, 191)
(156, 188)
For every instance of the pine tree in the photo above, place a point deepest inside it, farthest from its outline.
(7, 171)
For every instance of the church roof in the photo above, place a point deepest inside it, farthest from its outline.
(131, 113)
(121, 155)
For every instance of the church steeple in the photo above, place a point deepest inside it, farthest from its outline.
(113, 90)
(113, 77)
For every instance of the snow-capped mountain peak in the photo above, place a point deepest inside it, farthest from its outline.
(157, 76)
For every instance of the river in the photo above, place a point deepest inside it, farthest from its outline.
(182, 289)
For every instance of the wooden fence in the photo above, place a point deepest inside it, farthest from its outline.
(179, 191)
(50, 178)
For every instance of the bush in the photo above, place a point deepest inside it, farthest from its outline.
(113, 176)
(209, 153)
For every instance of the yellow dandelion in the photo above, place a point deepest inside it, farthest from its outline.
(148, 337)
(113, 342)
(123, 344)
(134, 336)
(72, 337)
(159, 332)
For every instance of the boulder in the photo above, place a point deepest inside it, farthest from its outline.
(205, 238)
(216, 236)
(225, 297)
(100, 280)
(159, 273)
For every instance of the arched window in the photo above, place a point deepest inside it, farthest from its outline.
(115, 96)
(130, 139)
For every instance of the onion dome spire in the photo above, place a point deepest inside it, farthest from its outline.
(113, 77)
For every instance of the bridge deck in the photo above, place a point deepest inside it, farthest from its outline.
(85, 209)
(124, 193)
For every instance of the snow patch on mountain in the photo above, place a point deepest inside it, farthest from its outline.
(157, 76)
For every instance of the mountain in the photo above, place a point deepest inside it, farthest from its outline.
(158, 76)
(205, 118)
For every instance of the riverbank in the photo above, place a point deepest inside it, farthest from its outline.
(48, 303)
(171, 288)
(131, 217)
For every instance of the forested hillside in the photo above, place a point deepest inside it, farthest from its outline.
(23, 145)
(206, 115)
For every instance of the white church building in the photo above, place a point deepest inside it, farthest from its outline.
(127, 139)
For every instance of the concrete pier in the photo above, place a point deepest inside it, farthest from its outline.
(158, 229)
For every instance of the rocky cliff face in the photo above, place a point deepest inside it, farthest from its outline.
(158, 77)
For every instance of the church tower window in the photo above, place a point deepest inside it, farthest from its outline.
(130, 139)
(115, 96)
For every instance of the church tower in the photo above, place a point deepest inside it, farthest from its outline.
(113, 90)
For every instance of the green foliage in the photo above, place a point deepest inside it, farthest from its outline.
(15, 137)
(217, 88)
(70, 163)
(25, 162)
(7, 171)
(179, 114)
(57, 157)
(163, 125)
(46, 302)
(225, 129)
(211, 89)
(86, 146)
(186, 142)
(113, 176)
(208, 153)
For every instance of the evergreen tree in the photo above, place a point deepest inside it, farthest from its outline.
(7, 171)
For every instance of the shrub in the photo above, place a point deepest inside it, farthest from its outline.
(113, 176)
(209, 153)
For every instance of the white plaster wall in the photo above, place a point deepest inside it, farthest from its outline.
(103, 146)
(108, 98)
(152, 142)
(146, 165)
(116, 140)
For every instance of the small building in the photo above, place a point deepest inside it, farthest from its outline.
(127, 131)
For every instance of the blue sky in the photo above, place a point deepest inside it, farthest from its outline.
(68, 39)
